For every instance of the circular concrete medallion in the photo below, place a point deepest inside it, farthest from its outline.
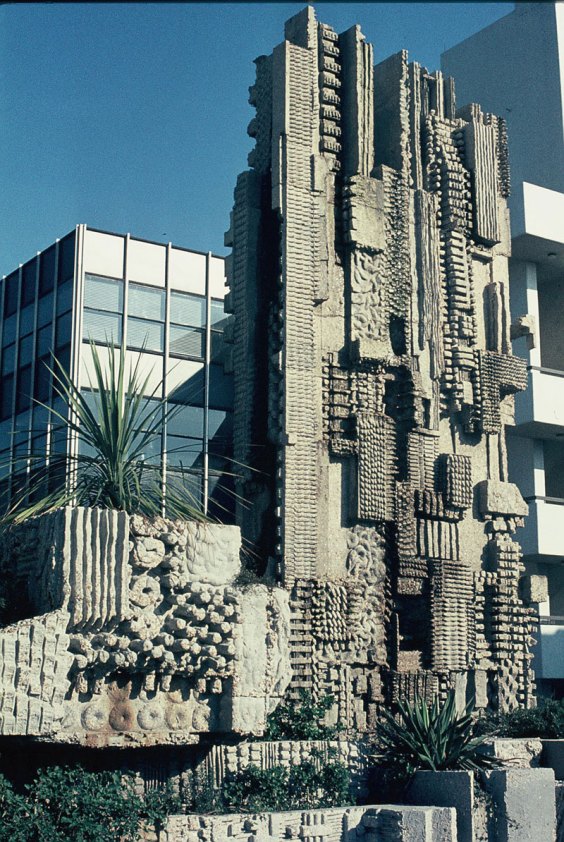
(150, 717)
(122, 717)
(179, 717)
(94, 717)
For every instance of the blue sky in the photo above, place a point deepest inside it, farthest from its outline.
(132, 117)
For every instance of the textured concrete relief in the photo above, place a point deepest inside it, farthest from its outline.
(187, 653)
(387, 512)
(390, 824)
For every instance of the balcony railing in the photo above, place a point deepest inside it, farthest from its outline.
(548, 660)
(543, 533)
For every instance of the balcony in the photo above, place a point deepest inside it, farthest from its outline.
(548, 660)
(543, 534)
(540, 409)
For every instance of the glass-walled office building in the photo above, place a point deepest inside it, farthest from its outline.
(164, 304)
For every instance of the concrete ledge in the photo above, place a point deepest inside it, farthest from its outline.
(385, 823)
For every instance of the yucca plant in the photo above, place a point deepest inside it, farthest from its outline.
(429, 737)
(109, 470)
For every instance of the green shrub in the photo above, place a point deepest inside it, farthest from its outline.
(427, 737)
(546, 721)
(313, 784)
(255, 790)
(71, 805)
(13, 814)
(302, 720)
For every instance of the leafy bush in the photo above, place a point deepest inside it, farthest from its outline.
(313, 784)
(13, 814)
(546, 721)
(64, 804)
(429, 737)
(301, 721)
(255, 790)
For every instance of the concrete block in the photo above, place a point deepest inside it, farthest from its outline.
(523, 803)
(447, 789)
(516, 753)
(535, 588)
(501, 498)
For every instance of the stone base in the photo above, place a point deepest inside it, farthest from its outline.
(337, 824)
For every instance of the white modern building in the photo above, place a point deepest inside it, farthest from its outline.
(164, 304)
(515, 68)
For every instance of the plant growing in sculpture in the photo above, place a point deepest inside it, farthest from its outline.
(429, 737)
(315, 783)
(114, 434)
(302, 720)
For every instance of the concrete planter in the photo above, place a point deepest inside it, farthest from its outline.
(553, 757)
(447, 789)
(511, 805)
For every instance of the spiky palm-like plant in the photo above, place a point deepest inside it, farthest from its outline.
(109, 470)
(429, 737)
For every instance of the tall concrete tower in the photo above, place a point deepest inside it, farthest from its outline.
(374, 377)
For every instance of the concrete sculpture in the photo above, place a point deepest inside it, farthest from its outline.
(374, 378)
(374, 383)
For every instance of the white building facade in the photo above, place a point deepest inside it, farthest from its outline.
(164, 304)
(515, 68)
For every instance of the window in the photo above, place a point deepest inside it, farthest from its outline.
(186, 309)
(190, 482)
(216, 350)
(183, 452)
(6, 390)
(11, 287)
(41, 388)
(26, 351)
(45, 311)
(44, 341)
(218, 316)
(103, 293)
(26, 320)
(145, 335)
(9, 331)
(23, 391)
(186, 342)
(63, 331)
(146, 302)
(103, 308)
(8, 359)
(101, 327)
(220, 431)
(64, 297)
(221, 388)
(5, 437)
(29, 282)
(66, 259)
(188, 319)
(47, 271)
(186, 421)
(146, 313)
(221, 489)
